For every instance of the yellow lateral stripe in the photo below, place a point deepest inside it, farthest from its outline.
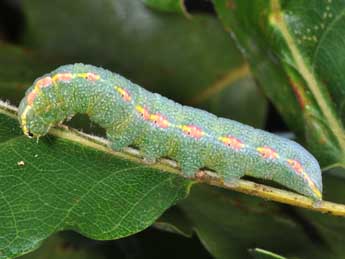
(23, 120)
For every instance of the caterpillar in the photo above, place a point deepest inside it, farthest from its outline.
(160, 127)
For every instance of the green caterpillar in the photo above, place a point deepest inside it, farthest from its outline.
(160, 127)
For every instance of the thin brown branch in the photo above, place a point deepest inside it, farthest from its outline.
(207, 177)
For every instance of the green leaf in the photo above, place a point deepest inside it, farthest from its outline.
(293, 53)
(56, 184)
(175, 221)
(192, 61)
(235, 97)
(230, 223)
(60, 247)
(258, 253)
(167, 5)
(18, 68)
(330, 229)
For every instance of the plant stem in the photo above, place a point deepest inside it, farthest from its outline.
(203, 176)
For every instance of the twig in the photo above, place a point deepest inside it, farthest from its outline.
(203, 176)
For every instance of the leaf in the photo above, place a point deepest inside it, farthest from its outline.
(55, 184)
(258, 253)
(192, 61)
(288, 47)
(31, 165)
(175, 221)
(229, 224)
(234, 97)
(18, 68)
(330, 229)
(59, 247)
(167, 5)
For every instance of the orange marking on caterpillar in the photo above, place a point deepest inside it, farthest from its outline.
(63, 77)
(143, 112)
(232, 142)
(41, 83)
(267, 152)
(296, 166)
(92, 76)
(193, 131)
(159, 120)
(314, 188)
(44, 82)
(31, 97)
(124, 94)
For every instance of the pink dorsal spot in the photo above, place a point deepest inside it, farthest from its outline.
(267, 152)
(296, 166)
(124, 93)
(92, 76)
(63, 77)
(232, 142)
(193, 131)
(31, 97)
(126, 96)
(159, 120)
(44, 82)
(144, 113)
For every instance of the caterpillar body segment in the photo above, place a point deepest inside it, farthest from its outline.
(160, 127)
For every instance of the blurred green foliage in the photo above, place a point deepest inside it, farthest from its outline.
(226, 63)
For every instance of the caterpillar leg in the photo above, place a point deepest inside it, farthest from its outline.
(230, 172)
(150, 155)
(189, 169)
(122, 135)
(151, 151)
(150, 143)
(120, 140)
(190, 164)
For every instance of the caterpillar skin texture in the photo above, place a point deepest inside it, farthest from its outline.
(160, 127)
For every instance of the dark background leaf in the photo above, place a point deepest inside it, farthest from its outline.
(166, 5)
(286, 43)
(194, 61)
(258, 253)
(166, 53)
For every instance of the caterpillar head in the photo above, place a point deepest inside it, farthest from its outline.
(31, 124)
